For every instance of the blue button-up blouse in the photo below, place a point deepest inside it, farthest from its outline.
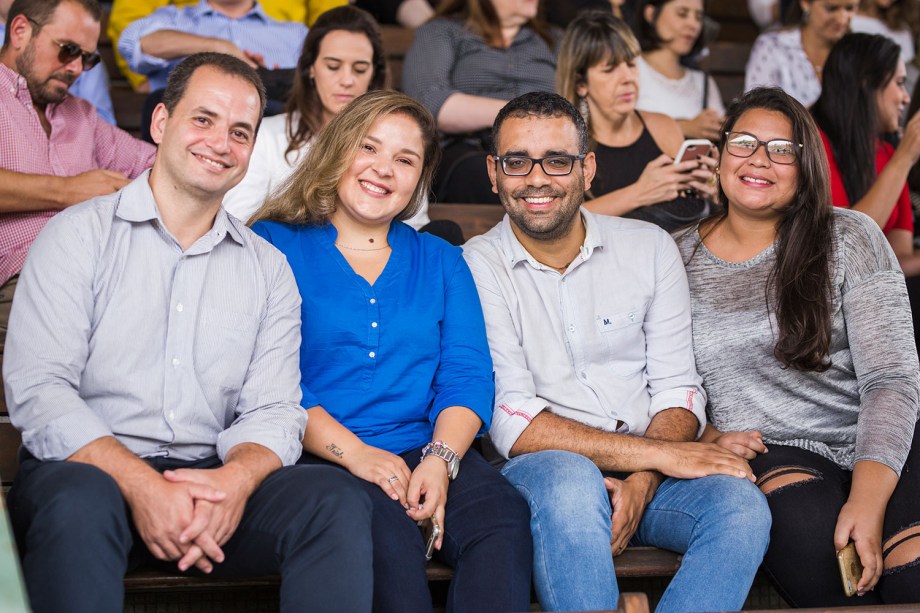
(386, 359)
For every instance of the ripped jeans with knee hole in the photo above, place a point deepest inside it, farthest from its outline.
(805, 492)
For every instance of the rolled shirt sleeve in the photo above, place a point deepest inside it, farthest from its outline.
(129, 43)
(48, 342)
(269, 411)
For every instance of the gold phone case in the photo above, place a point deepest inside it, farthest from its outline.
(850, 568)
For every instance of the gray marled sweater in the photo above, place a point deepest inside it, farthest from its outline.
(865, 406)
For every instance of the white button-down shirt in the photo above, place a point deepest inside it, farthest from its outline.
(607, 341)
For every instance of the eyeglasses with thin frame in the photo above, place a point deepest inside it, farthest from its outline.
(553, 165)
(69, 51)
(744, 144)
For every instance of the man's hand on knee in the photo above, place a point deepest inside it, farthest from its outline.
(628, 499)
(695, 460)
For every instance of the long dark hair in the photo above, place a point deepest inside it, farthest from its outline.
(304, 109)
(481, 18)
(799, 286)
(858, 67)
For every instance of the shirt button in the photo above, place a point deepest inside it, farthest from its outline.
(572, 328)
(176, 362)
(372, 355)
(179, 307)
(373, 301)
(172, 414)
(373, 324)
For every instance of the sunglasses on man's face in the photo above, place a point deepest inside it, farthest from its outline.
(69, 51)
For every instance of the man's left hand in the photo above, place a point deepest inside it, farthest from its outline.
(213, 523)
(628, 498)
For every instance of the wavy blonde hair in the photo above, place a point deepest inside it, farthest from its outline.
(310, 194)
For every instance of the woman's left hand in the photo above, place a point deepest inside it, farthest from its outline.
(428, 492)
(861, 523)
(704, 179)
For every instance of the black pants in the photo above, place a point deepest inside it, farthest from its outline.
(486, 541)
(310, 524)
(801, 558)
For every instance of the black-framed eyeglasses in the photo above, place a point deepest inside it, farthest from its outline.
(69, 51)
(743, 145)
(553, 165)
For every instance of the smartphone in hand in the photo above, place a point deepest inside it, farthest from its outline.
(692, 149)
(431, 530)
(851, 568)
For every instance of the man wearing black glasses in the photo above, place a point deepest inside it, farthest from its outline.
(55, 150)
(597, 394)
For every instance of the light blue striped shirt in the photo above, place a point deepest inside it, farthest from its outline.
(279, 42)
(116, 331)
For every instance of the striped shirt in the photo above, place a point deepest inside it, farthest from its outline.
(115, 331)
(446, 58)
(80, 141)
(279, 42)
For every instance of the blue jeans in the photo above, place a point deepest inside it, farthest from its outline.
(720, 524)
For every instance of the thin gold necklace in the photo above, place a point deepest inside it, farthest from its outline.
(360, 249)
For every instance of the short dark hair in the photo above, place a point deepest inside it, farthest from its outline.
(178, 79)
(38, 12)
(647, 31)
(541, 104)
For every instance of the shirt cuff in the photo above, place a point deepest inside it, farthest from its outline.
(683, 398)
(281, 432)
(65, 436)
(508, 422)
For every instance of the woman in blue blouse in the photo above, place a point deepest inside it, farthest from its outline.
(395, 367)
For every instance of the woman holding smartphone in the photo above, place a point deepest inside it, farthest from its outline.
(637, 175)
(802, 333)
(395, 367)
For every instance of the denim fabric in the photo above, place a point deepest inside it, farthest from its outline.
(720, 524)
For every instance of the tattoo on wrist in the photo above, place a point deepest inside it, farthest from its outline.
(335, 450)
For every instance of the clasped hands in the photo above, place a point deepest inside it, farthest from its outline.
(189, 514)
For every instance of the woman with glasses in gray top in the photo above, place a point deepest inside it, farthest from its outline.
(802, 333)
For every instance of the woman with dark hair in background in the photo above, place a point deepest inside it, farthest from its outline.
(670, 33)
(464, 65)
(793, 58)
(802, 333)
(395, 367)
(636, 175)
(342, 58)
(863, 97)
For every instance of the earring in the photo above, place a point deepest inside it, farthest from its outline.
(805, 15)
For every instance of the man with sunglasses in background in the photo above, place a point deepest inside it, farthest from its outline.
(92, 85)
(55, 151)
(597, 394)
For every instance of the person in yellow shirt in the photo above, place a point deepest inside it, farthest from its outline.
(126, 11)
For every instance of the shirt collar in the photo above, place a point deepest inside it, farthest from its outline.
(137, 204)
(203, 8)
(515, 252)
(15, 84)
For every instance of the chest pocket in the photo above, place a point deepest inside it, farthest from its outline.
(224, 347)
(624, 338)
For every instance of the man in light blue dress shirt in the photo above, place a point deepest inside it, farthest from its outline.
(152, 46)
(597, 398)
(152, 368)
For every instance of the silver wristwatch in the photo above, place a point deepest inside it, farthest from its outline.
(439, 449)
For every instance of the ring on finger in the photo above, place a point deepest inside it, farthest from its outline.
(392, 479)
